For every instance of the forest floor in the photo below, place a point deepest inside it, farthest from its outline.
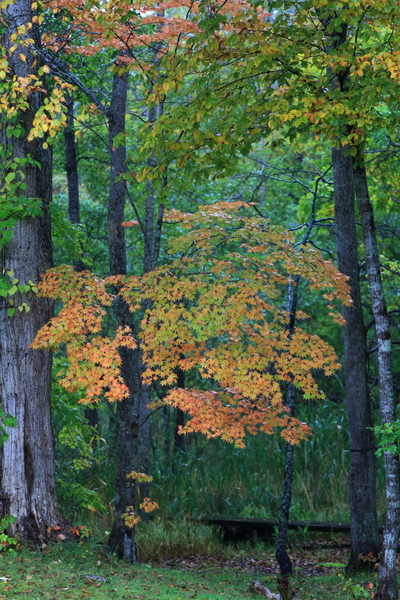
(86, 571)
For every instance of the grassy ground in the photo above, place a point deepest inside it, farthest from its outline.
(80, 571)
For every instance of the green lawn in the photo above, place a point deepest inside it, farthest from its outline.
(61, 573)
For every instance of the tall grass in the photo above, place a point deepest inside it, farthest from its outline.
(215, 478)
(162, 538)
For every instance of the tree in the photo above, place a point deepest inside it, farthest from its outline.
(362, 473)
(214, 308)
(291, 62)
(27, 481)
(387, 589)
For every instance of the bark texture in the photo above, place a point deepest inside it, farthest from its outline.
(27, 462)
(387, 587)
(362, 472)
(122, 537)
(152, 241)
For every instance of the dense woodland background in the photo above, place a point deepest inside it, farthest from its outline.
(129, 111)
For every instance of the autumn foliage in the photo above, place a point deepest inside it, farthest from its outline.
(218, 308)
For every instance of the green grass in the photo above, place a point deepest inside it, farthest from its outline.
(59, 574)
(215, 478)
(161, 539)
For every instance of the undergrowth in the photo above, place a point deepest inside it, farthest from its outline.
(86, 570)
(211, 477)
(162, 539)
(215, 478)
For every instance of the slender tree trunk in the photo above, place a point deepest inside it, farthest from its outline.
(179, 440)
(152, 240)
(167, 420)
(145, 440)
(71, 167)
(285, 564)
(122, 538)
(387, 588)
(27, 464)
(362, 472)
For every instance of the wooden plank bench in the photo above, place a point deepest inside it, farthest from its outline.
(238, 529)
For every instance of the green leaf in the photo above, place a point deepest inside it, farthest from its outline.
(10, 311)
(9, 177)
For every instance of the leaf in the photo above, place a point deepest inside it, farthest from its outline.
(10, 312)
(8, 179)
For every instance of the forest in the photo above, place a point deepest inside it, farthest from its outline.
(199, 291)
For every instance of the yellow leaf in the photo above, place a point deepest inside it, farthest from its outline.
(22, 57)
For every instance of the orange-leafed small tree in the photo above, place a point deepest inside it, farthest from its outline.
(218, 307)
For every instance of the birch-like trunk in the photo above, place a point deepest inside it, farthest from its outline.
(387, 588)
(362, 472)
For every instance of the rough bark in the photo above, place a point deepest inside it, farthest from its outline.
(362, 472)
(27, 469)
(122, 537)
(387, 587)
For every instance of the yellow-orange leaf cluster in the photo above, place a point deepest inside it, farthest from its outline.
(218, 307)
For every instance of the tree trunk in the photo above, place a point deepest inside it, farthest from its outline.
(122, 537)
(362, 472)
(285, 564)
(71, 165)
(167, 420)
(27, 469)
(179, 440)
(145, 440)
(387, 587)
(152, 239)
